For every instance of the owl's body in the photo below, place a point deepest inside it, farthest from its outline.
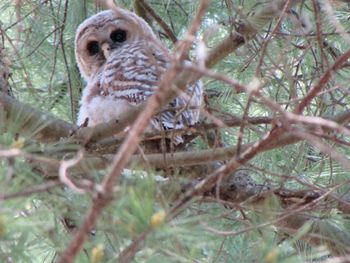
(119, 57)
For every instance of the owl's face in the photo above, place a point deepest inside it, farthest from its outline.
(104, 33)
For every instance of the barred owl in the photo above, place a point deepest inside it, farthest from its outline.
(118, 55)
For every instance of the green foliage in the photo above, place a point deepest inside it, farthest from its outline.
(39, 43)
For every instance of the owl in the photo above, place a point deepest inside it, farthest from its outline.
(122, 62)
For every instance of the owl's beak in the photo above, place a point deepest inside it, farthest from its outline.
(106, 49)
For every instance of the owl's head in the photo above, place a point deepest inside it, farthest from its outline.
(108, 30)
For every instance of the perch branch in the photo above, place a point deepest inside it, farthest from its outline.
(51, 128)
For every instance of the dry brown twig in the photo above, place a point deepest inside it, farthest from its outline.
(159, 20)
(322, 82)
(33, 190)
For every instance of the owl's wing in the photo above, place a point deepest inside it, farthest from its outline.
(184, 110)
(133, 74)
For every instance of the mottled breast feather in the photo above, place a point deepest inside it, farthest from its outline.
(132, 73)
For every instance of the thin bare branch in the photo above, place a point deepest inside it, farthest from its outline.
(32, 190)
(159, 20)
(322, 82)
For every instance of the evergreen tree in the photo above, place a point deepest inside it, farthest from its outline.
(262, 178)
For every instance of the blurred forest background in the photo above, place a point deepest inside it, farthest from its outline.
(265, 177)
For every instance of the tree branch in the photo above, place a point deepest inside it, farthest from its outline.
(159, 20)
(42, 126)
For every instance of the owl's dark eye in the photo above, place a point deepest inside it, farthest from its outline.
(118, 35)
(93, 48)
